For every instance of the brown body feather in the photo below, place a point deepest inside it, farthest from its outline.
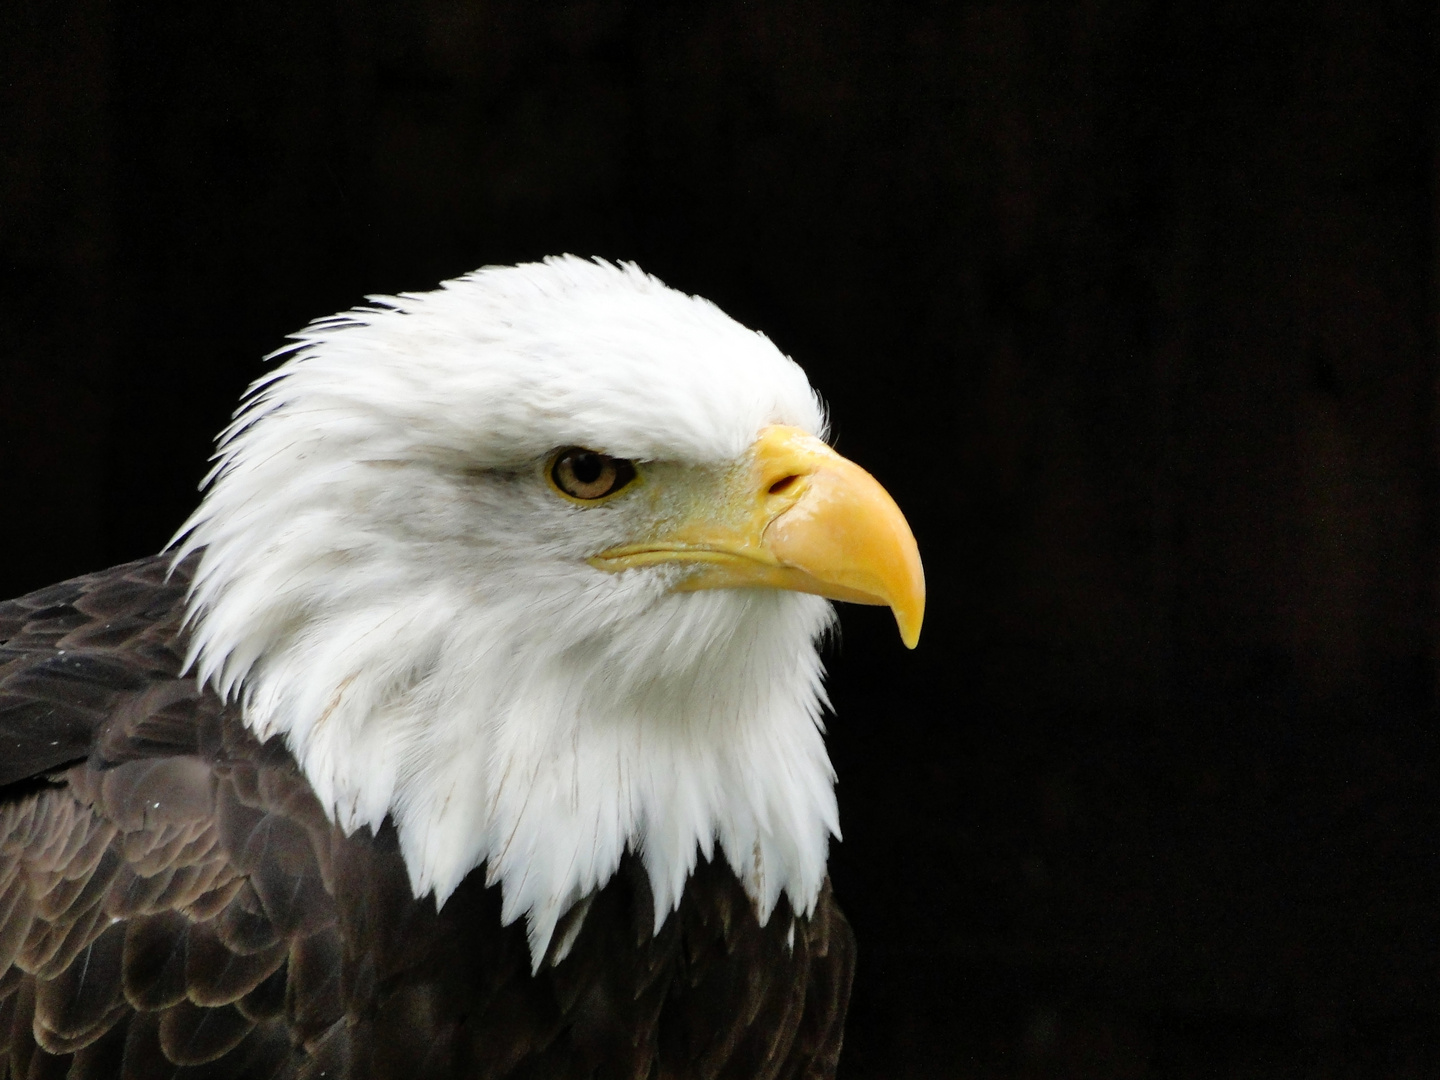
(174, 903)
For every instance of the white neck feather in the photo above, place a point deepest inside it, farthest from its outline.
(526, 742)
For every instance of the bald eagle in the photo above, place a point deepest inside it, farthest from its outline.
(472, 724)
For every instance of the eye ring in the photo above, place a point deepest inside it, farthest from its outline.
(588, 476)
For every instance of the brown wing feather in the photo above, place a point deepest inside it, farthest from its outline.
(174, 902)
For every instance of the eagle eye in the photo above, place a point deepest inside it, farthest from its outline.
(588, 475)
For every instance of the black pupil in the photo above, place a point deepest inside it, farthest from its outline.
(586, 467)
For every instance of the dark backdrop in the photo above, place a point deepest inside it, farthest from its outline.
(1131, 304)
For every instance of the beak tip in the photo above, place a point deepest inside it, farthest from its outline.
(909, 624)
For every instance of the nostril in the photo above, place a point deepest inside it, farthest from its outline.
(783, 484)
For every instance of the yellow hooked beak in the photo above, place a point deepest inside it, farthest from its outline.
(794, 515)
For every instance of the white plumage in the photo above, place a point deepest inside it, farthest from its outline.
(390, 584)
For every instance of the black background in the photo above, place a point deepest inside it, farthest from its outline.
(1131, 304)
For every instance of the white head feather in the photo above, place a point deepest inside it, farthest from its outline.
(388, 583)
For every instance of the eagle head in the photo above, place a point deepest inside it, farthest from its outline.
(537, 565)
